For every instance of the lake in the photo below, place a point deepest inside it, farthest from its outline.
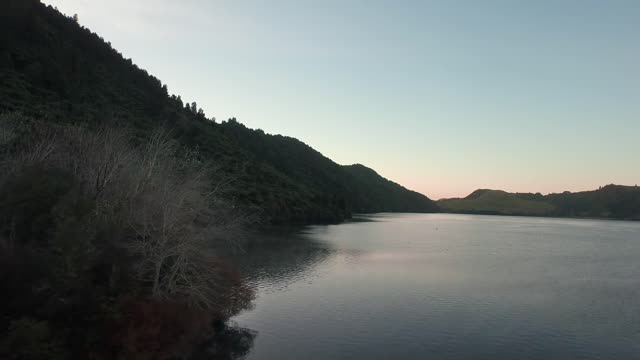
(444, 286)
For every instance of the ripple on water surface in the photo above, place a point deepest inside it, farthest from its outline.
(448, 287)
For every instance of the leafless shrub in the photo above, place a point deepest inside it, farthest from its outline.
(22, 151)
(172, 221)
(96, 158)
(7, 130)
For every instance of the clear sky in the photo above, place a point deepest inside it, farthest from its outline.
(441, 96)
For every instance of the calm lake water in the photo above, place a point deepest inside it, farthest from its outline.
(440, 286)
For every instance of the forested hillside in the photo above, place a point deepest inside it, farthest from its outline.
(117, 200)
(611, 201)
(53, 69)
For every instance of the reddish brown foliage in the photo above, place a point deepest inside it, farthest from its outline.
(150, 329)
(234, 294)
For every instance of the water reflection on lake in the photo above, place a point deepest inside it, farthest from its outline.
(273, 261)
(447, 287)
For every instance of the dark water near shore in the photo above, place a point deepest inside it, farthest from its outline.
(444, 286)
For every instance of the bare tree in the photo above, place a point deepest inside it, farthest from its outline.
(176, 224)
(96, 158)
(163, 201)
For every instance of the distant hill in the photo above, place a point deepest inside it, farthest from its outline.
(53, 69)
(486, 201)
(611, 201)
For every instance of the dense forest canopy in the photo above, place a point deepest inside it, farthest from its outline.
(52, 68)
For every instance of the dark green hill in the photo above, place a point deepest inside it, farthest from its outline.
(53, 69)
(373, 192)
(485, 201)
(611, 201)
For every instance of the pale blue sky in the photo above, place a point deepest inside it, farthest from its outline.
(441, 96)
